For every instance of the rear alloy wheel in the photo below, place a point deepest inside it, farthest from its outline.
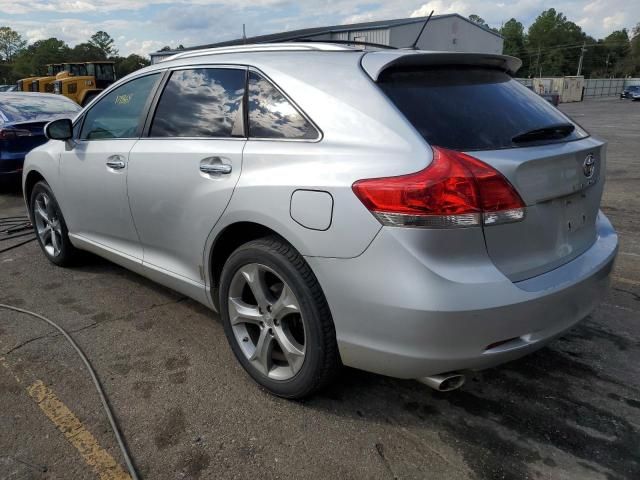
(49, 226)
(277, 319)
(266, 321)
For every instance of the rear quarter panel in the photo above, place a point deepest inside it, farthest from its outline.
(363, 136)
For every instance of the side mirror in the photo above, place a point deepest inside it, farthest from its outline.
(61, 129)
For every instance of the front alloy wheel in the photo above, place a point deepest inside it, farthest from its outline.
(48, 225)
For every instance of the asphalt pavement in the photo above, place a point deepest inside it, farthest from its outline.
(188, 411)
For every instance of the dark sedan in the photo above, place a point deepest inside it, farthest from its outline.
(632, 91)
(23, 116)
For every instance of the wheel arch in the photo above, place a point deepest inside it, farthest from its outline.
(31, 179)
(229, 239)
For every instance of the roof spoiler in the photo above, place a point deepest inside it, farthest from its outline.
(374, 63)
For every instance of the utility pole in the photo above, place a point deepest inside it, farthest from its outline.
(606, 65)
(538, 64)
(244, 34)
(582, 50)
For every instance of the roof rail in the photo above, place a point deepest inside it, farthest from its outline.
(261, 47)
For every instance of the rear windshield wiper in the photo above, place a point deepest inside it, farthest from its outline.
(552, 132)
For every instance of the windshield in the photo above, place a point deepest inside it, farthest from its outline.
(53, 69)
(472, 108)
(102, 71)
(76, 69)
(34, 107)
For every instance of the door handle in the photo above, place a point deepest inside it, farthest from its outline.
(215, 169)
(116, 162)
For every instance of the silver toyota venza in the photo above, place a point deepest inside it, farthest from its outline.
(409, 213)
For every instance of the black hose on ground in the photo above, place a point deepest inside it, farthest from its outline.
(96, 382)
(15, 227)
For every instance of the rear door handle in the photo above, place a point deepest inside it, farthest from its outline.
(116, 162)
(216, 169)
(214, 166)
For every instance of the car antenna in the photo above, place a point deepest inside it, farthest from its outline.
(415, 44)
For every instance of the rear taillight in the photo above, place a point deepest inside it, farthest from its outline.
(455, 190)
(12, 133)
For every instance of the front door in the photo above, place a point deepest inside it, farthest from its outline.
(94, 170)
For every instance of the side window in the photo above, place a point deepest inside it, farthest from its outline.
(203, 102)
(271, 115)
(118, 114)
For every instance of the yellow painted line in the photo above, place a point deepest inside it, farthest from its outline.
(73, 430)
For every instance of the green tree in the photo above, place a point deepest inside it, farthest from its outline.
(617, 49)
(104, 42)
(126, 65)
(514, 38)
(478, 19)
(635, 51)
(554, 44)
(33, 59)
(87, 52)
(11, 43)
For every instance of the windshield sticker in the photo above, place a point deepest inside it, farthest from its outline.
(124, 99)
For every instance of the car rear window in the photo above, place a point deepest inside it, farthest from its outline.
(34, 107)
(470, 108)
(272, 116)
(202, 102)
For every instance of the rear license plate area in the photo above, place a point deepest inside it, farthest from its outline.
(575, 213)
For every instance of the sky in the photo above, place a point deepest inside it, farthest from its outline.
(143, 26)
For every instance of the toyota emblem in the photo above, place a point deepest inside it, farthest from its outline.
(589, 166)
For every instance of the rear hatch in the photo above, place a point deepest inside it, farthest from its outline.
(551, 161)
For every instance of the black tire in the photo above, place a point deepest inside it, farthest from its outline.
(68, 253)
(321, 362)
(88, 99)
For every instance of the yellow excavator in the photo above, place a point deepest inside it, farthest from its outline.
(82, 82)
(45, 84)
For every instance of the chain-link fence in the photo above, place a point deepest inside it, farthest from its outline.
(603, 87)
(597, 87)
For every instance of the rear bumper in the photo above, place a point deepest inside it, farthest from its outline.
(410, 306)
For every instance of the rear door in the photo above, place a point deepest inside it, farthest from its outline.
(182, 175)
(551, 161)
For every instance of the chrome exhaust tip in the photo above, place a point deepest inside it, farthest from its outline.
(444, 382)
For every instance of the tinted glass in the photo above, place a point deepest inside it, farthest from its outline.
(76, 69)
(102, 71)
(271, 115)
(203, 102)
(118, 114)
(29, 107)
(470, 108)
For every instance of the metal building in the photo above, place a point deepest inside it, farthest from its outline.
(450, 32)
